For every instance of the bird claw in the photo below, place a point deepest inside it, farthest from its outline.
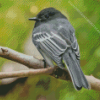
(44, 63)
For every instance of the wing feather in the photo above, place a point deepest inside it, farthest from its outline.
(55, 44)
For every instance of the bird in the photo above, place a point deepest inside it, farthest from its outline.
(54, 37)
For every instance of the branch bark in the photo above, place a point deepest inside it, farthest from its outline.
(29, 61)
(26, 73)
(37, 64)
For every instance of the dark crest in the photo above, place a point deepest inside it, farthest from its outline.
(49, 13)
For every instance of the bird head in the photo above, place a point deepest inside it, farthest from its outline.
(47, 14)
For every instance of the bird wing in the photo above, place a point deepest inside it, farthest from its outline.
(69, 35)
(50, 43)
(55, 44)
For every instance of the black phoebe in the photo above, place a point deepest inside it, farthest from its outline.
(55, 39)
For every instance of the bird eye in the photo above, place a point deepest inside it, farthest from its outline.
(46, 16)
(51, 13)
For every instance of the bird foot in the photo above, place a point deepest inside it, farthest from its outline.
(44, 63)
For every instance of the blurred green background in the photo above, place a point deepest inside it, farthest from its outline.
(15, 29)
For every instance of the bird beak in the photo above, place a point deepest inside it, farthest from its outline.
(34, 18)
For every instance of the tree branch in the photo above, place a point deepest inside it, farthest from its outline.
(94, 82)
(29, 61)
(32, 62)
(26, 73)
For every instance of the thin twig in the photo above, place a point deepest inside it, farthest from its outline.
(29, 61)
(26, 73)
(37, 64)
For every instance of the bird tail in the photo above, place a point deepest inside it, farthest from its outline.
(75, 71)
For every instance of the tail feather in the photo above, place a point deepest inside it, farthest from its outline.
(75, 71)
